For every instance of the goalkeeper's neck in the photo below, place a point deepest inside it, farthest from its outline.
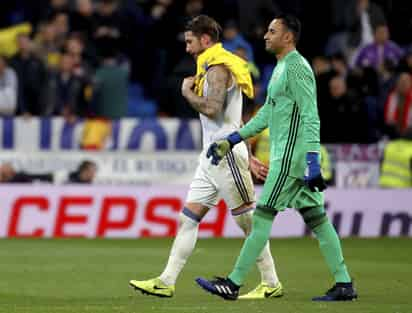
(285, 51)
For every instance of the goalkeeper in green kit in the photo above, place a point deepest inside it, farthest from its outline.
(294, 179)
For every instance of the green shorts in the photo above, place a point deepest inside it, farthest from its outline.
(282, 191)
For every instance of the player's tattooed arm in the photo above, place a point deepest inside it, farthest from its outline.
(218, 78)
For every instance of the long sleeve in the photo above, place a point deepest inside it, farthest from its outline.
(258, 123)
(303, 89)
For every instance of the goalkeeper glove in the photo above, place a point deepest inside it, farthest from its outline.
(220, 148)
(314, 179)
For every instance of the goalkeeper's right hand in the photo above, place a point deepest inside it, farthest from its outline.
(314, 179)
(220, 148)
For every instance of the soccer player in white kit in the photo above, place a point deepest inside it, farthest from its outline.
(220, 109)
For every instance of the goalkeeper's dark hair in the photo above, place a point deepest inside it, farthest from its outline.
(203, 24)
(291, 24)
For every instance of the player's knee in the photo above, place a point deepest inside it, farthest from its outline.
(266, 211)
(190, 216)
(244, 220)
(313, 216)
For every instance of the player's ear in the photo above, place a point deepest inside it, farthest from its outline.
(288, 37)
(205, 39)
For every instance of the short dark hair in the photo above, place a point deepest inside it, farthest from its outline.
(203, 24)
(84, 165)
(292, 24)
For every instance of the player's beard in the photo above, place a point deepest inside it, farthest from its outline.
(270, 50)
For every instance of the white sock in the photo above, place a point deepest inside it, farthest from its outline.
(264, 262)
(182, 248)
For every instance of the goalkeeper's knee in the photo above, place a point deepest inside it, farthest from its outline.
(313, 216)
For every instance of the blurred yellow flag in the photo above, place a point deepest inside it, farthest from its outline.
(8, 43)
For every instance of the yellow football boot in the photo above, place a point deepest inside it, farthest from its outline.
(263, 291)
(154, 287)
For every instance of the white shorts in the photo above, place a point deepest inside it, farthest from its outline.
(230, 180)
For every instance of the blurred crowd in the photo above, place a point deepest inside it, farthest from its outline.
(85, 173)
(108, 59)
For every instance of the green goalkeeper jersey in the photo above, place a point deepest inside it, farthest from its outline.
(290, 111)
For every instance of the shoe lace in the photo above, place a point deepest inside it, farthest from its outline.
(219, 279)
(259, 288)
(223, 281)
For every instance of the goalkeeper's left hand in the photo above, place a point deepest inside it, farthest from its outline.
(220, 148)
(314, 179)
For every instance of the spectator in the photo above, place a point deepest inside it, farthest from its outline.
(354, 23)
(194, 7)
(159, 56)
(232, 39)
(241, 52)
(249, 104)
(324, 72)
(61, 24)
(83, 24)
(396, 169)
(108, 23)
(83, 19)
(171, 102)
(398, 108)
(253, 13)
(31, 74)
(75, 48)
(382, 49)
(55, 6)
(110, 87)
(63, 89)
(362, 20)
(339, 64)
(191, 8)
(8, 89)
(9, 175)
(321, 65)
(46, 45)
(85, 173)
(342, 107)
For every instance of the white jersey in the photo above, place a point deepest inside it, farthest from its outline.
(228, 121)
(231, 178)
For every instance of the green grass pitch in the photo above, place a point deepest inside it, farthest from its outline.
(82, 275)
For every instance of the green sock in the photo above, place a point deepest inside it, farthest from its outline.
(331, 249)
(252, 247)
